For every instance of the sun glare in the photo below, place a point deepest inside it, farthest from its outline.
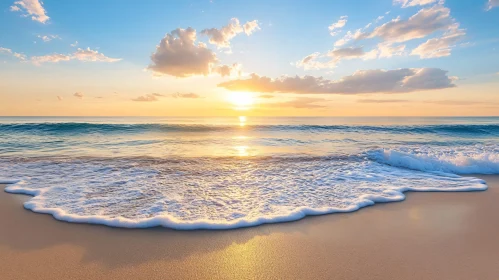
(241, 100)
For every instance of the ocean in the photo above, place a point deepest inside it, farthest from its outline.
(223, 173)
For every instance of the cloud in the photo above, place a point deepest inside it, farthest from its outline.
(333, 57)
(48, 38)
(155, 96)
(436, 102)
(78, 95)
(357, 35)
(298, 103)
(336, 27)
(311, 62)
(439, 47)
(185, 95)
(492, 4)
(91, 55)
(420, 25)
(227, 70)
(31, 8)
(178, 55)
(7, 51)
(267, 96)
(80, 54)
(388, 50)
(350, 52)
(251, 26)
(412, 3)
(364, 81)
(74, 44)
(382, 101)
(221, 37)
(147, 98)
(59, 98)
(52, 58)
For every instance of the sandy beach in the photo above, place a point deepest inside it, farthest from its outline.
(428, 236)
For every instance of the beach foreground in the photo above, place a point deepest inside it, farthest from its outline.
(428, 236)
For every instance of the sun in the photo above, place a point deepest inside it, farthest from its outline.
(241, 100)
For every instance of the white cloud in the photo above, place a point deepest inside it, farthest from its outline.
(332, 58)
(492, 4)
(74, 44)
(78, 95)
(52, 58)
(420, 25)
(365, 81)
(48, 38)
(439, 47)
(179, 55)
(389, 50)
(336, 27)
(91, 55)
(31, 8)
(411, 3)
(221, 37)
(7, 51)
(250, 27)
(357, 35)
(80, 54)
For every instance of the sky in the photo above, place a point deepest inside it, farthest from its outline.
(252, 58)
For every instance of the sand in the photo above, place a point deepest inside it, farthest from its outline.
(428, 236)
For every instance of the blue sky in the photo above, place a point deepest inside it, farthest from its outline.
(288, 31)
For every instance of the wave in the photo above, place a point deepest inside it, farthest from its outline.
(474, 160)
(212, 193)
(77, 127)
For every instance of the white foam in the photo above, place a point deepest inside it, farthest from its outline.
(463, 160)
(212, 193)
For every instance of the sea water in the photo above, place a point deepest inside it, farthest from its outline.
(221, 173)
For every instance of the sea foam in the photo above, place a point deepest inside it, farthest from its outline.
(212, 193)
(464, 160)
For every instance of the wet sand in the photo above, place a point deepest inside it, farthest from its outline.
(428, 236)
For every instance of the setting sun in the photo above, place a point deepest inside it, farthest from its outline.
(241, 100)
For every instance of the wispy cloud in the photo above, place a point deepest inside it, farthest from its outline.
(33, 8)
(81, 55)
(492, 4)
(48, 38)
(336, 27)
(382, 101)
(7, 51)
(78, 95)
(151, 97)
(185, 95)
(298, 103)
(411, 3)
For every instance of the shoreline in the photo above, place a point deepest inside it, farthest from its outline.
(436, 235)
